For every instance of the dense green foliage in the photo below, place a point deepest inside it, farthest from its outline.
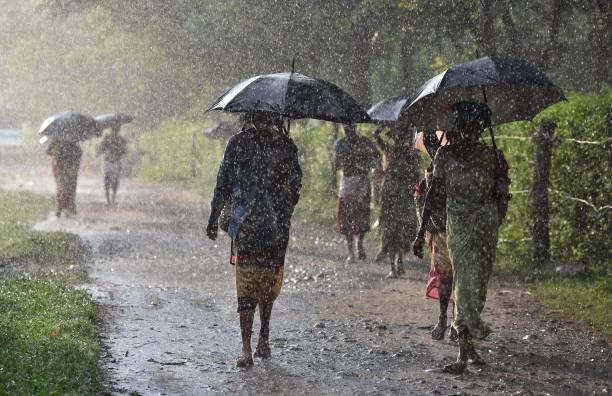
(48, 341)
(580, 185)
(176, 150)
(164, 58)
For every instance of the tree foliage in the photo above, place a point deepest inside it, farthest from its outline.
(159, 58)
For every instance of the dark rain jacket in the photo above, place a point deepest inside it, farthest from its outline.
(258, 184)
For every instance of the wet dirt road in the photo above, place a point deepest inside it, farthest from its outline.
(170, 326)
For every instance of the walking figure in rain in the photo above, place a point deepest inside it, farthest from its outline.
(112, 147)
(440, 282)
(355, 156)
(397, 219)
(258, 186)
(65, 161)
(475, 179)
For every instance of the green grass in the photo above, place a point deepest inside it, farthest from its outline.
(48, 341)
(589, 300)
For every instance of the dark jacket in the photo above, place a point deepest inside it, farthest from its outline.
(258, 183)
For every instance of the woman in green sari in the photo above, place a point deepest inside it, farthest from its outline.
(398, 220)
(474, 177)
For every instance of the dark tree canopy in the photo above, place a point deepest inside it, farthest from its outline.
(160, 58)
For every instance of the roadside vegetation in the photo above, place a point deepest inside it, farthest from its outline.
(48, 341)
(580, 182)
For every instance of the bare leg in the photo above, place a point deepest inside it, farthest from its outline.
(393, 273)
(115, 187)
(465, 344)
(444, 291)
(107, 186)
(360, 250)
(245, 359)
(351, 249)
(263, 344)
(399, 264)
(438, 332)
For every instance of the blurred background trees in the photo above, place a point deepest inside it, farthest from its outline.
(160, 58)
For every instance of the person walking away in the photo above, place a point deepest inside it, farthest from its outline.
(113, 147)
(258, 186)
(398, 221)
(65, 161)
(440, 282)
(476, 183)
(355, 156)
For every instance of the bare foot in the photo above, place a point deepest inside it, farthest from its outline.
(244, 360)
(438, 332)
(392, 275)
(362, 254)
(452, 334)
(455, 368)
(400, 270)
(263, 351)
(474, 358)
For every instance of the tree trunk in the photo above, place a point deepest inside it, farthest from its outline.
(545, 142)
(484, 29)
(516, 47)
(361, 59)
(553, 38)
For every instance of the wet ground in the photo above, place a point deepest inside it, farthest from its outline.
(170, 325)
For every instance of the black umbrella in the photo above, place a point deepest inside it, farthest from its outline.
(69, 126)
(294, 96)
(388, 110)
(113, 120)
(513, 88)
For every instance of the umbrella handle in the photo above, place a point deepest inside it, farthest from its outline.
(484, 96)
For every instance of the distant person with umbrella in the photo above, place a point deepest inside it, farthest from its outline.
(65, 162)
(474, 178)
(113, 148)
(64, 131)
(355, 156)
(258, 185)
(397, 219)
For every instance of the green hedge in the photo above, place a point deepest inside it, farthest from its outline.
(581, 171)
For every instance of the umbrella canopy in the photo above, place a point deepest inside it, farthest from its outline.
(294, 96)
(113, 120)
(69, 126)
(515, 90)
(388, 110)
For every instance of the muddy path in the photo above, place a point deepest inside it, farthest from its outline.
(170, 325)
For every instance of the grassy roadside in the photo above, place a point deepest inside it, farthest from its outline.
(48, 339)
(589, 300)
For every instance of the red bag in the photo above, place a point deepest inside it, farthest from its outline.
(433, 282)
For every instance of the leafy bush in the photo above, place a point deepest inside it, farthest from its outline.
(580, 185)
